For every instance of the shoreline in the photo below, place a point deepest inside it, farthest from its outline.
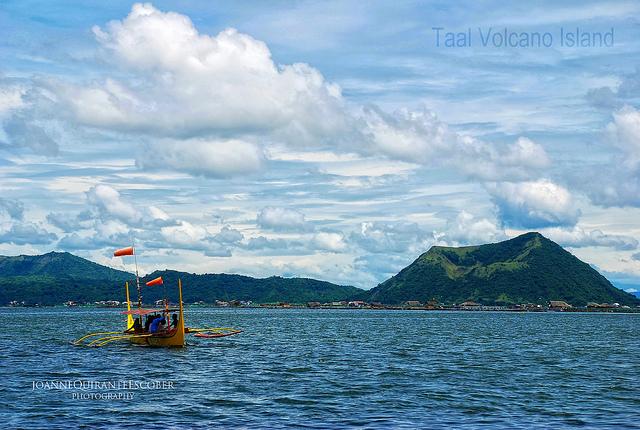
(493, 309)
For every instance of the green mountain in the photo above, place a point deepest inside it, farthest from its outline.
(55, 264)
(527, 269)
(211, 287)
(56, 277)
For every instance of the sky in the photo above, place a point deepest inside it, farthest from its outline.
(336, 140)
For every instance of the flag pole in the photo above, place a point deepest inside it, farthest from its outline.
(135, 260)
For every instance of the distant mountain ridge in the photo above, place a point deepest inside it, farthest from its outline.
(526, 269)
(222, 286)
(56, 277)
(58, 264)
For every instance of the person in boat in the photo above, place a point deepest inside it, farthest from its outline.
(174, 320)
(148, 322)
(156, 325)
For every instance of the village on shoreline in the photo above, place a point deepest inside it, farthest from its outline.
(432, 305)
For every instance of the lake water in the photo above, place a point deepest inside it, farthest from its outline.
(331, 369)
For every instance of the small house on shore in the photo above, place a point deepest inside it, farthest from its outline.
(559, 305)
(470, 304)
(412, 304)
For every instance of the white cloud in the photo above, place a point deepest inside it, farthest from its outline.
(204, 157)
(578, 238)
(69, 223)
(420, 137)
(391, 237)
(408, 136)
(533, 204)
(109, 203)
(186, 235)
(466, 229)
(625, 134)
(198, 84)
(282, 219)
(26, 233)
(28, 134)
(617, 183)
(218, 101)
(329, 241)
(13, 208)
(111, 206)
(10, 98)
(229, 235)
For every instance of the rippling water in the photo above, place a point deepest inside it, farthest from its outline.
(333, 368)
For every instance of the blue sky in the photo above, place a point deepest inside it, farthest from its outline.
(334, 140)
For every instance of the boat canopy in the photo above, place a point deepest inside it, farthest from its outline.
(142, 311)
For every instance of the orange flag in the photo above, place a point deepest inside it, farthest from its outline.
(124, 251)
(157, 281)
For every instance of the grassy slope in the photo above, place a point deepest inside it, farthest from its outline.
(528, 268)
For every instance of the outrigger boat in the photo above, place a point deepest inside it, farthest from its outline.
(152, 333)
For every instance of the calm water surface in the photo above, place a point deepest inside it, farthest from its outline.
(332, 369)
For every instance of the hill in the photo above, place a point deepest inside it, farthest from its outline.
(58, 264)
(56, 277)
(211, 287)
(527, 269)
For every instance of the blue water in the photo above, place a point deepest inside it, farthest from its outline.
(333, 369)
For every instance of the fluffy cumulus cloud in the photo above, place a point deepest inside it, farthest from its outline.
(391, 237)
(533, 204)
(13, 208)
(20, 124)
(228, 235)
(26, 234)
(282, 219)
(381, 266)
(186, 235)
(618, 182)
(108, 202)
(209, 105)
(329, 241)
(110, 220)
(578, 238)
(625, 135)
(110, 205)
(28, 134)
(69, 222)
(418, 136)
(208, 94)
(201, 83)
(203, 157)
(466, 229)
(627, 90)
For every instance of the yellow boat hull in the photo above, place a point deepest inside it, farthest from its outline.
(163, 340)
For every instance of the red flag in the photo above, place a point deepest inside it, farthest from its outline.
(124, 251)
(157, 281)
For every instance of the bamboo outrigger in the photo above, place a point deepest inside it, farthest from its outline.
(174, 335)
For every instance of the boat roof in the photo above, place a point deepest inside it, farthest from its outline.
(146, 311)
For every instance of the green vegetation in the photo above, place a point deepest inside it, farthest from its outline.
(527, 269)
(211, 287)
(55, 278)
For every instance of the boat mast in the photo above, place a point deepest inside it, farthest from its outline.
(135, 259)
